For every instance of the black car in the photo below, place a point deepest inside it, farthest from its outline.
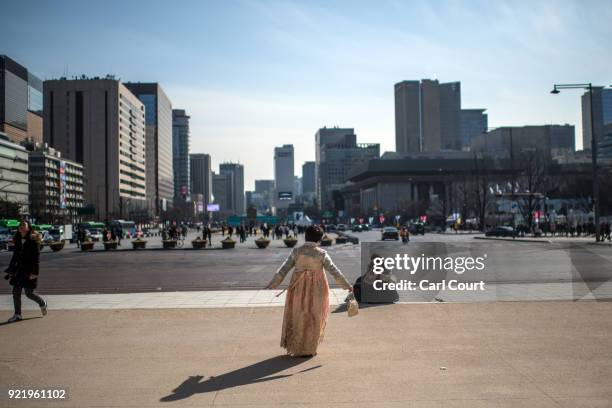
(416, 229)
(501, 231)
(389, 233)
(357, 228)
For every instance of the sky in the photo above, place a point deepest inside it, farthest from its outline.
(258, 74)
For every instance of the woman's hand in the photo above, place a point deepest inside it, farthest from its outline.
(32, 276)
(276, 280)
(350, 289)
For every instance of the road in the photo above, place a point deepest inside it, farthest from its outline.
(71, 271)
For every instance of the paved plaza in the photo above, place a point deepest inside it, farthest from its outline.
(502, 354)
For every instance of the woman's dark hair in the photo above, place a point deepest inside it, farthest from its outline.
(30, 230)
(314, 233)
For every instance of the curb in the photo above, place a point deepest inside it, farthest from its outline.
(546, 241)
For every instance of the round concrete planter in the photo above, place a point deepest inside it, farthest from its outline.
(198, 243)
(326, 241)
(228, 243)
(169, 243)
(290, 242)
(262, 243)
(87, 246)
(139, 244)
(57, 246)
(110, 245)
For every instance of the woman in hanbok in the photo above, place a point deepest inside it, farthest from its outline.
(307, 302)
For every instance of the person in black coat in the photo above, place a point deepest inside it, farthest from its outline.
(23, 269)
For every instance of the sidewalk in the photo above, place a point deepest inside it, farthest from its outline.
(524, 291)
(509, 354)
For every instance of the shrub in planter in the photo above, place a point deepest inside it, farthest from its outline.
(326, 241)
(169, 243)
(198, 243)
(87, 245)
(108, 245)
(139, 243)
(262, 242)
(290, 242)
(341, 240)
(228, 243)
(57, 245)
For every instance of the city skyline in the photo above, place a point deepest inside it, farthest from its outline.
(260, 79)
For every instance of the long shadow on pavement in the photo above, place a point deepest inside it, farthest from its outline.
(255, 373)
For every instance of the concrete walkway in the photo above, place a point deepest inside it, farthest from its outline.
(504, 354)
(267, 298)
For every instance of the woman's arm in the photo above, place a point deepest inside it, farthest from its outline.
(330, 267)
(282, 271)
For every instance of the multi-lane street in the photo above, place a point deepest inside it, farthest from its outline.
(246, 267)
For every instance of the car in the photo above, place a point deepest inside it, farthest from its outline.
(357, 228)
(5, 237)
(389, 233)
(341, 227)
(330, 228)
(501, 231)
(94, 234)
(55, 234)
(416, 228)
(366, 227)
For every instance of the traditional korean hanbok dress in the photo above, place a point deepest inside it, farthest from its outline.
(307, 302)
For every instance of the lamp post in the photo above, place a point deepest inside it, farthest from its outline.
(588, 86)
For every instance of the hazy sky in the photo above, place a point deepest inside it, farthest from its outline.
(257, 74)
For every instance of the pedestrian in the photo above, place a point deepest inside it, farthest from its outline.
(24, 268)
(209, 235)
(307, 301)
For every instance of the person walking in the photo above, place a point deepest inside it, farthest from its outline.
(24, 267)
(307, 302)
(209, 235)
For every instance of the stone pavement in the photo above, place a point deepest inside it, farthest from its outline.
(501, 354)
(267, 298)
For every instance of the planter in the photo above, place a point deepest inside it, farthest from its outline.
(262, 243)
(87, 246)
(139, 244)
(169, 243)
(341, 240)
(57, 245)
(290, 242)
(198, 243)
(228, 243)
(326, 241)
(110, 245)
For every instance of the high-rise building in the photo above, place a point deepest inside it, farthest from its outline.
(201, 175)
(158, 120)
(14, 186)
(264, 189)
(221, 185)
(283, 177)
(602, 122)
(308, 177)
(427, 116)
(180, 153)
(56, 187)
(99, 123)
(514, 141)
(473, 122)
(235, 194)
(21, 102)
(337, 154)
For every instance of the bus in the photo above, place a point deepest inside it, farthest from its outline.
(127, 227)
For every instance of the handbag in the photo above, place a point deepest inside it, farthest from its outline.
(352, 307)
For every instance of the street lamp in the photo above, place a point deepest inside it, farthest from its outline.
(589, 86)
